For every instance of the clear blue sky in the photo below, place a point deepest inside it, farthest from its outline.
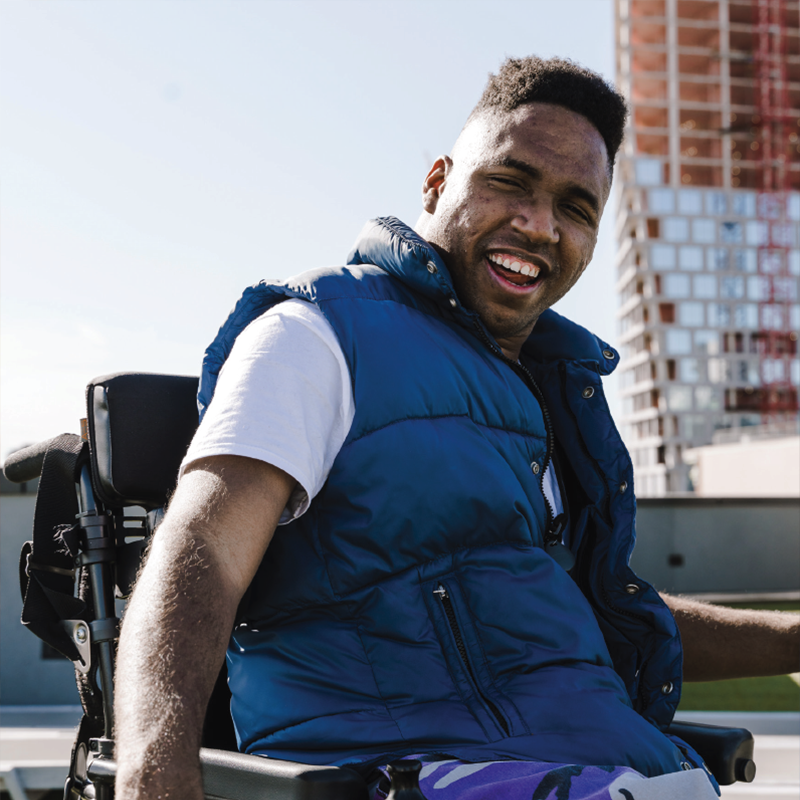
(157, 157)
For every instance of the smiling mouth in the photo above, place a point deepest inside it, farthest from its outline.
(513, 269)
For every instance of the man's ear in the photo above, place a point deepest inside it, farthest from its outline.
(434, 183)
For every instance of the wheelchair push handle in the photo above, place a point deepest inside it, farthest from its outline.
(26, 464)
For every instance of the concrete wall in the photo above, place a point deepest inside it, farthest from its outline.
(719, 545)
(25, 677)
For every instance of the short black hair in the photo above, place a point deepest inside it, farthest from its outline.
(564, 83)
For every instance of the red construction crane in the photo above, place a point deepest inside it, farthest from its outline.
(777, 344)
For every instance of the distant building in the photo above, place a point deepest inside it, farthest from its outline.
(772, 456)
(706, 267)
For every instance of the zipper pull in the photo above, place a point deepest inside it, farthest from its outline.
(553, 534)
(441, 591)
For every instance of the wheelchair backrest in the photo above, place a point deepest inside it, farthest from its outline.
(140, 426)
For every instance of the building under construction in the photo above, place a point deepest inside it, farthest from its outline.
(707, 225)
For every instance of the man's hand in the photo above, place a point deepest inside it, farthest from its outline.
(721, 643)
(178, 622)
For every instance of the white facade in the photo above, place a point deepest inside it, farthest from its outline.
(689, 268)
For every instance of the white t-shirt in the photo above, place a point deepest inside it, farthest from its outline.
(284, 396)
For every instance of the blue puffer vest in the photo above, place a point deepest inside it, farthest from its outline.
(413, 608)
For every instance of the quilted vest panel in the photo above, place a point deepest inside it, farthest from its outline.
(412, 608)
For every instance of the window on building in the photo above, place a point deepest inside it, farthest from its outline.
(793, 206)
(692, 315)
(745, 260)
(705, 286)
(704, 230)
(716, 203)
(707, 398)
(772, 317)
(662, 453)
(745, 315)
(732, 287)
(794, 317)
(730, 232)
(680, 398)
(672, 372)
(663, 256)
(690, 258)
(676, 285)
(756, 232)
(690, 370)
(743, 204)
(690, 201)
(676, 229)
(785, 289)
(720, 370)
(666, 313)
(657, 284)
(678, 342)
(719, 315)
(707, 341)
(648, 172)
(653, 228)
(742, 373)
(717, 259)
(757, 287)
(694, 428)
(771, 262)
(661, 201)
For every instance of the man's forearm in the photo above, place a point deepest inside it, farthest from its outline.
(172, 647)
(178, 623)
(721, 643)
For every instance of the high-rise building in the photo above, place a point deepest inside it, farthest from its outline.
(707, 225)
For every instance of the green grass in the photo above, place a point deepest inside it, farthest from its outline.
(778, 693)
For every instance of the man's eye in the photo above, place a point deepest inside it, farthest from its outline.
(578, 211)
(509, 182)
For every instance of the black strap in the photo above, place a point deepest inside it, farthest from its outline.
(47, 563)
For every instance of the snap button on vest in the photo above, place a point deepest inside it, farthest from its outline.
(432, 269)
(609, 354)
(453, 302)
(667, 688)
(631, 588)
(623, 487)
(587, 392)
(535, 467)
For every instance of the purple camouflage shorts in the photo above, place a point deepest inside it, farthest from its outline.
(536, 780)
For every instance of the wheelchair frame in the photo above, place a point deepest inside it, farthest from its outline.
(137, 430)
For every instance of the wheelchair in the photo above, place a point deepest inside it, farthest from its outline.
(89, 537)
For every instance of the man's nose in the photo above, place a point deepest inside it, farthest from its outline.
(537, 223)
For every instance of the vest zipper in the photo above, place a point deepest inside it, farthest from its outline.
(521, 370)
(447, 605)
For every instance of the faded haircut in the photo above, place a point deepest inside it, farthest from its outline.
(563, 83)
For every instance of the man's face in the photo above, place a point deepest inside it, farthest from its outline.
(515, 212)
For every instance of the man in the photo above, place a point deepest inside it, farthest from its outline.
(450, 575)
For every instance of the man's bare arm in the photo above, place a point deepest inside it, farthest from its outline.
(178, 622)
(721, 643)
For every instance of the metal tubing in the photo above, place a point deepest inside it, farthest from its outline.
(102, 602)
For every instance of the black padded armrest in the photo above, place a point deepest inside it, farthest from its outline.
(140, 426)
(728, 752)
(236, 776)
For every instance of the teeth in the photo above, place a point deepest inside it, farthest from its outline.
(515, 266)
